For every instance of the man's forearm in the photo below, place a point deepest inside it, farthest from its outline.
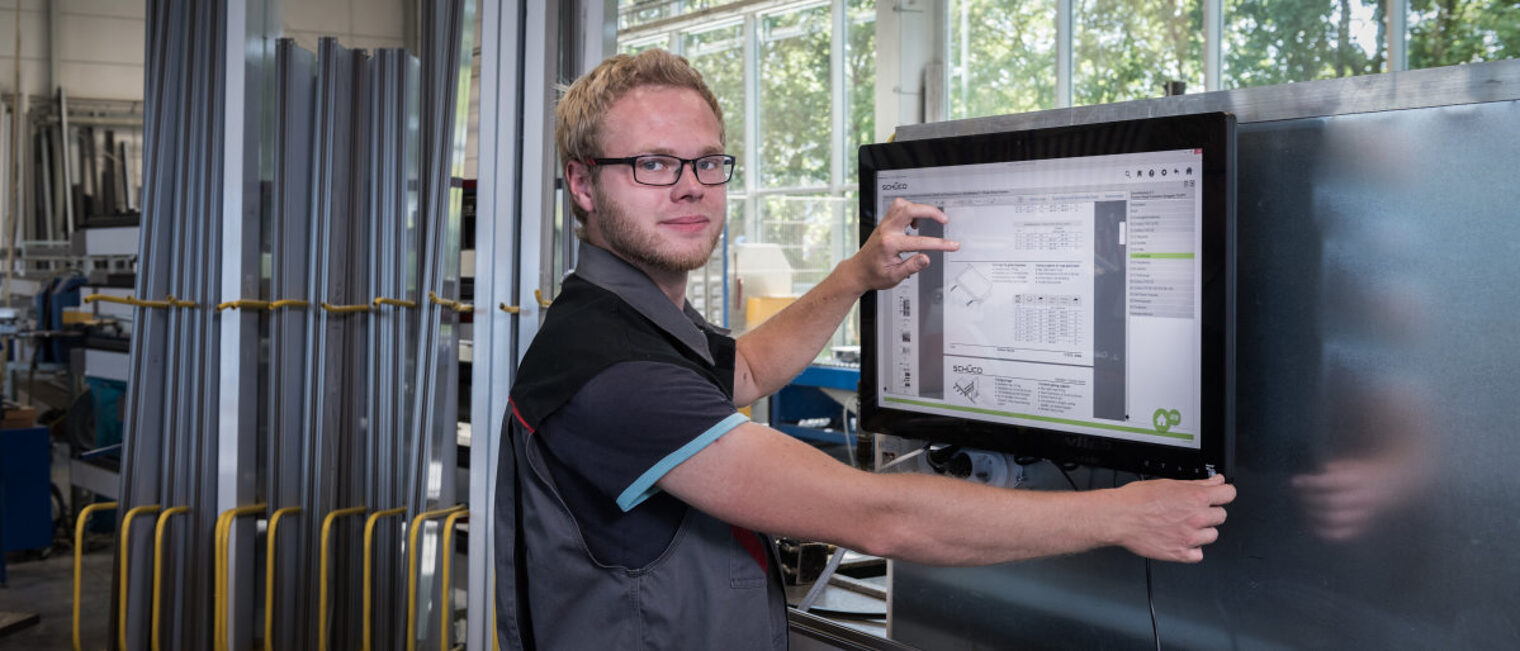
(775, 352)
(940, 521)
(964, 524)
(764, 480)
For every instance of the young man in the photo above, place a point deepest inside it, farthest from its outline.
(632, 486)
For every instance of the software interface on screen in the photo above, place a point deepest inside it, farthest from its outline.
(1074, 302)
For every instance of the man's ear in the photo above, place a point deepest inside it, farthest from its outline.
(578, 175)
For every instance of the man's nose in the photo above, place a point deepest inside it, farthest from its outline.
(687, 184)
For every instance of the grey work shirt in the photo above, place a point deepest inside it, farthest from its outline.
(631, 424)
(620, 387)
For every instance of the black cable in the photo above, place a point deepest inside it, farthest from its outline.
(1150, 594)
(1150, 599)
(1064, 474)
(939, 456)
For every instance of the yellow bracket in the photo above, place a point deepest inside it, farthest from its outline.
(509, 309)
(411, 571)
(538, 295)
(381, 300)
(220, 597)
(169, 301)
(369, 565)
(102, 298)
(447, 578)
(158, 565)
(322, 578)
(452, 305)
(84, 516)
(269, 546)
(344, 309)
(124, 548)
(243, 303)
(251, 304)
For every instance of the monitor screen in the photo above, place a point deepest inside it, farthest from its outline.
(1087, 315)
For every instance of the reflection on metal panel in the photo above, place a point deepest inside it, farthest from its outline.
(1377, 398)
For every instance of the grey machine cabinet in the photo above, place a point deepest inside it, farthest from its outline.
(1378, 392)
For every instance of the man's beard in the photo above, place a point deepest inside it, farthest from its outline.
(643, 248)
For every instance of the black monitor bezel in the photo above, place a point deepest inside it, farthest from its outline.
(1214, 133)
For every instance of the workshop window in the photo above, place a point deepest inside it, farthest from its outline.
(1002, 53)
(1449, 32)
(1280, 42)
(1129, 49)
(794, 98)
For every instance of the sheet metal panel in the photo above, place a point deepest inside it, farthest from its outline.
(495, 271)
(289, 212)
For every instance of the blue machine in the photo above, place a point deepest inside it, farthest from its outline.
(800, 407)
(26, 510)
(62, 292)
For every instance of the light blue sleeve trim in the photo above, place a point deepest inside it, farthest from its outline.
(643, 488)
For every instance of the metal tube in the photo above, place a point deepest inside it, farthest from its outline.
(1064, 66)
(84, 516)
(223, 539)
(445, 580)
(1398, 35)
(126, 542)
(270, 544)
(289, 272)
(158, 567)
(327, 523)
(502, 33)
(196, 452)
(369, 556)
(411, 572)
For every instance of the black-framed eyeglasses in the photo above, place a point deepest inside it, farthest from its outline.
(659, 169)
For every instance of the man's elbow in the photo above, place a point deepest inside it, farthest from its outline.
(882, 546)
(746, 392)
(889, 537)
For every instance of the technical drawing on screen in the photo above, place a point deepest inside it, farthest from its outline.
(1074, 321)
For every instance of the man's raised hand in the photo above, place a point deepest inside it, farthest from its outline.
(881, 263)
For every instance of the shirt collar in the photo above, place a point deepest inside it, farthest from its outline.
(600, 267)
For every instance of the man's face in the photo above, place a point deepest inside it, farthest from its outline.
(662, 228)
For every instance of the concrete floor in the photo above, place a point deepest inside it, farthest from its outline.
(46, 587)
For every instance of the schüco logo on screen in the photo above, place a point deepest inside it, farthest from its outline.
(894, 186)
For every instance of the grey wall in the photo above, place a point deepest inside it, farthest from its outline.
(1378, 401)
(99, 53)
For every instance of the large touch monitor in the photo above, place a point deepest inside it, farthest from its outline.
(1088, 315)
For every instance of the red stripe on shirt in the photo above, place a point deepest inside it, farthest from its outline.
(519, 417)
(750, 541)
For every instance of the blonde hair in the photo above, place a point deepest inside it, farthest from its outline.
(578, 116)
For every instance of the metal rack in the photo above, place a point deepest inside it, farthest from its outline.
(294, 358)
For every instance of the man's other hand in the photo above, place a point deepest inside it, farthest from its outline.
(1171, 520)
(881, 263)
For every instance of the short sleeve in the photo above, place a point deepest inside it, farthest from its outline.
(633, 423)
